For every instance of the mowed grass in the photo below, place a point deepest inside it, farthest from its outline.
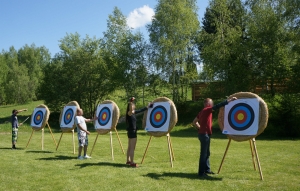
(32, 168)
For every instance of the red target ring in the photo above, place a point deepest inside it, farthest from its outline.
(158, 116)
(38, 117)
(69, 114)
(240, 116)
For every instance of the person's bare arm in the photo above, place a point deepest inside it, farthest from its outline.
(196, 123)
(79, 126)
(90, 120)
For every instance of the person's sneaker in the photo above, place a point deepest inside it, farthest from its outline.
(128, 162)
(87, 157)
(209, 172)
(80, 158)
(134, 165)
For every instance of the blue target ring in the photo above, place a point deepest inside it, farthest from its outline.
(68, 116)
(241, 116)
(104, 116)
(158, 116)
(38, 117)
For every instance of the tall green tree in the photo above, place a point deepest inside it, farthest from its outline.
(124, 52)
(3, 74)
(222, 43)
(171, 34)
(34, 59)
(77, 73)
(271, 51)
(17, 80)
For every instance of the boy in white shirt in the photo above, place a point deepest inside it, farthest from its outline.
(82, 133)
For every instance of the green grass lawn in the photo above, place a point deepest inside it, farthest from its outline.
(35, 169)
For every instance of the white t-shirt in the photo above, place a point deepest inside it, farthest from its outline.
(80, 120)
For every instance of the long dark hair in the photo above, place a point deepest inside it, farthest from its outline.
(128, 107)
(127, 110)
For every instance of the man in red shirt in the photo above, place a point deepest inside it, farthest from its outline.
(203, 122)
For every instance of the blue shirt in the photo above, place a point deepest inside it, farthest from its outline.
(14, 121)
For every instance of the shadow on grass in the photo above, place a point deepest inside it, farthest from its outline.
(158, 176)
(102, 164)
(9, 148)
(58, 157)
(39, 152)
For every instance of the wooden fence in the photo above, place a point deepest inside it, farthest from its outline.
(197, 89)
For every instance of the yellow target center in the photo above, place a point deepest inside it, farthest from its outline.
(68, 117)
(104, 116)
(157, 117)
(38, 117)
(240, 116)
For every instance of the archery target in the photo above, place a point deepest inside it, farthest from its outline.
(38, 117)
(241, 117)
(158, 117)
(104, 113)
(68, 116)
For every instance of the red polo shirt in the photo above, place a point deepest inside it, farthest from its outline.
(205, 120)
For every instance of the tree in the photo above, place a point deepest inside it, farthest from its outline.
(124, 52)
(17, 80)
(34, 59)
(3, 74)
(270, 43)
(77, 73)
(171, 34)
(222, 44)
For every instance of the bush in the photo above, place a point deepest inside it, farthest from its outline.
(284, 112)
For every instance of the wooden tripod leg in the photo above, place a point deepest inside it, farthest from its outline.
(59, 140)
(171, 147)
(111, 146)
(224, 155)
(120, 141)
(146, 150)
(94, 144)
(257, 159)
(42, 139)
(170, 150)
(73, 141)
(252, 153)
(51, 134)
(30, 138)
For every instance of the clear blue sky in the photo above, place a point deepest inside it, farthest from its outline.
(45, 22)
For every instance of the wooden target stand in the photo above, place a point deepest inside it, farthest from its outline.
(172, 123)
(253, 153)
(42, 140)
(170, 148)
(102, 132)
(73, 139)
(262, 123)
(67, 129)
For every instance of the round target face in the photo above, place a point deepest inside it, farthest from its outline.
(104, 116)
(158, 116)
(69, 114)
(38, 117)
(241, 116)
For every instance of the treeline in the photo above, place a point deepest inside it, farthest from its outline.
(21, 73)
(240, 44)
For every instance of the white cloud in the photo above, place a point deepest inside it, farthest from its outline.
(140, 17)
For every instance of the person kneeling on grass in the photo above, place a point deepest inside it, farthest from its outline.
(82, 133)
